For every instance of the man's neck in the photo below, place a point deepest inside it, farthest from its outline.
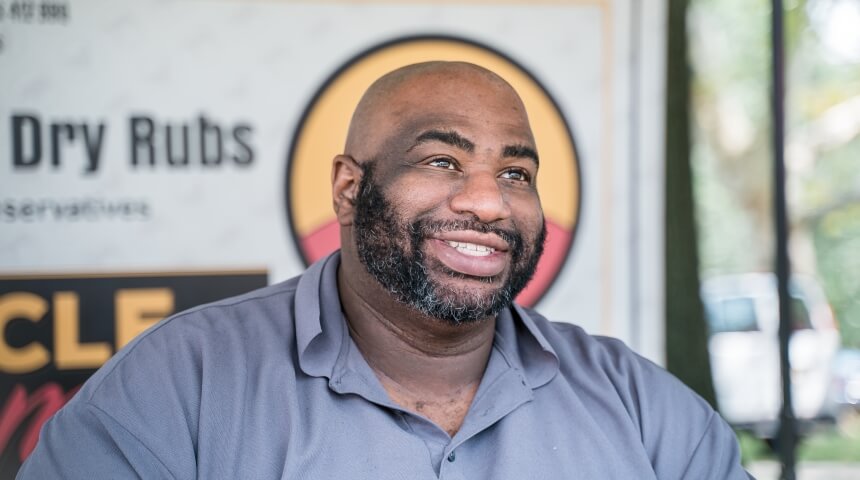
(426, 365)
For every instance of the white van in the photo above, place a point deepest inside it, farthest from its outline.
(742, 313)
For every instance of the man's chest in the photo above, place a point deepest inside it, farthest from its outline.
(317, 433)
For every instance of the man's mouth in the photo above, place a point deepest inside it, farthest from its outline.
(472, 249)
(470, 253)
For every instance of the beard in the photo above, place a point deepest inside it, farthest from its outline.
(390, 249)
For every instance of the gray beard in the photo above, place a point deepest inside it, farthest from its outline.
(378, 236)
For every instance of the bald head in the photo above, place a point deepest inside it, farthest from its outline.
(422, 91)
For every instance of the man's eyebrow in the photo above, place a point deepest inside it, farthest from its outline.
(448, 137)
(520, 151)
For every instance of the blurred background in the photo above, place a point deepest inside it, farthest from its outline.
(729, 47)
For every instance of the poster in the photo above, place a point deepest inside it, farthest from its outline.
(157, 154)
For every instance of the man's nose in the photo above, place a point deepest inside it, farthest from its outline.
(480, 195)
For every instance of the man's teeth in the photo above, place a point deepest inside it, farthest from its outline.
(471, 249)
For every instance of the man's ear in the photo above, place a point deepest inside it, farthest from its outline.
(346, 175)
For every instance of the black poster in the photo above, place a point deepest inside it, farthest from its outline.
(57, 330)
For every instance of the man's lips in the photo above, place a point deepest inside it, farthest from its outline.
(469, 252)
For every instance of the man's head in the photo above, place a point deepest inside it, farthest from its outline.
(436, 192)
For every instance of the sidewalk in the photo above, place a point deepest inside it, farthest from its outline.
(769, 470)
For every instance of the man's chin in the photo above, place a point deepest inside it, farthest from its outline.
(484, 297)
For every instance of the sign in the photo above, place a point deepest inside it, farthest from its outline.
(197, 136)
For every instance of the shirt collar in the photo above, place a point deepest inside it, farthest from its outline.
(321, 333)
(523, 344)
(320, 326)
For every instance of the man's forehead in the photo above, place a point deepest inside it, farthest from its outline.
(434, 95)
(456, 105)
(451, 89)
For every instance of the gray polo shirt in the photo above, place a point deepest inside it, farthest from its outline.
(270, 385)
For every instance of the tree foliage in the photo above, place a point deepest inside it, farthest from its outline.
(732, 161)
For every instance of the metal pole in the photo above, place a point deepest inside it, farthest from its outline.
(787, 440)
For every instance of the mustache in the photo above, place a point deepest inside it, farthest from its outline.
(424, 228)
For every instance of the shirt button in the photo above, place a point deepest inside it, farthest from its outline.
(451, 456)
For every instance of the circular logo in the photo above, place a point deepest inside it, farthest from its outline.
(322, 130)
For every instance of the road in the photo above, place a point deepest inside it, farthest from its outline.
(769, 470)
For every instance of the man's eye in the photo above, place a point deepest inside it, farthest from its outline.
(442, 163)
(518, 175)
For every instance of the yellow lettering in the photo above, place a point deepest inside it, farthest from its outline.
(32, 356)
(70, 353)
(138, 309)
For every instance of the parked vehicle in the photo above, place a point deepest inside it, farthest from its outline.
(742, 313)
(846, 380)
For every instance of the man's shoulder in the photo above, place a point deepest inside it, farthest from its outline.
(271, 303)
(571, 340)
(227, 329)
(277, 295)
(682, 435)
(598, 359)
(247, 312)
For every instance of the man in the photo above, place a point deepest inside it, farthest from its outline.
(401, 356)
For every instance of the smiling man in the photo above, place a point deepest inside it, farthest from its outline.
(403, 355)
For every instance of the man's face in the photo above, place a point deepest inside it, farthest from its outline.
(447, 216)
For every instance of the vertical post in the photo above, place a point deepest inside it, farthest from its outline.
(787, 439)
(686, 329)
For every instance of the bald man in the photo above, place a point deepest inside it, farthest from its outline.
(402, 356)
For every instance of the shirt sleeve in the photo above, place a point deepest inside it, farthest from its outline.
(685, 438)
(83, 442)
(717, 455)
(134, 418)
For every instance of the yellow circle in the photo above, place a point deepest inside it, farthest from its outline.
(323, 132)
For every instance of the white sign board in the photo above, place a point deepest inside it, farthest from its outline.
(166, 136)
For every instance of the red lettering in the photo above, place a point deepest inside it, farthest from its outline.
(44, 402)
